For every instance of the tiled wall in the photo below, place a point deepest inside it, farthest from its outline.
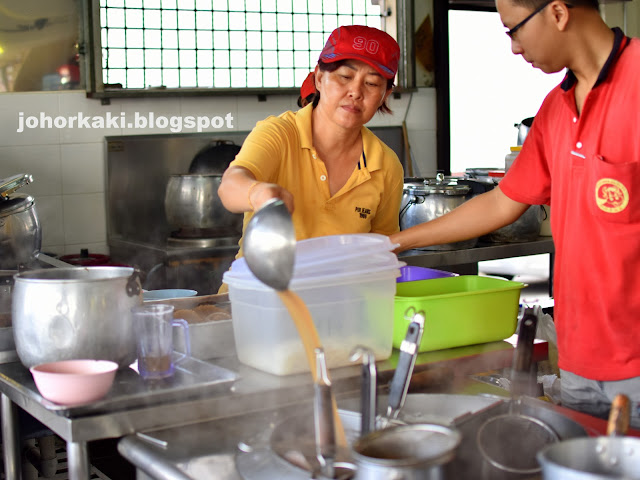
(68, 164)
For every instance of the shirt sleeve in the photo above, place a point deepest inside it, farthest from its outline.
(263, 150)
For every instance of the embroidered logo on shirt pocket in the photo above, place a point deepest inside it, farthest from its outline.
(612, 195)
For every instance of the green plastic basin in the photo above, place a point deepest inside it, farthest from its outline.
(463, 310)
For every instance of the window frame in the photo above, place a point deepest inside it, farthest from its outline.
(398, 14)
(441, 52)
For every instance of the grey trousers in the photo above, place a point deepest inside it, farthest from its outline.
(594, 397)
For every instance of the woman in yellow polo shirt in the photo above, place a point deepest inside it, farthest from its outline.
(334, 174)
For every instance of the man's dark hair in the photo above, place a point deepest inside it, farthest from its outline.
(533, 4)
(332, 67)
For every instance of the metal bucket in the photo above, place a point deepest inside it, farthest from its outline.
(75, 313)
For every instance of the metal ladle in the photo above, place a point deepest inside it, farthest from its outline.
(270, 244)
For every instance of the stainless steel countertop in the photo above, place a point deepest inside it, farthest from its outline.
(479, 253)
(253, 391)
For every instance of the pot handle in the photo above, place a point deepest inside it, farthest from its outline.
(133, 283)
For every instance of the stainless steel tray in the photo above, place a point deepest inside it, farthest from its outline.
(193, 378)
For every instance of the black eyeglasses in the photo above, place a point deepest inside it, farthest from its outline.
(533, 14)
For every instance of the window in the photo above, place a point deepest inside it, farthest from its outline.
(160, 45)
(483, 89)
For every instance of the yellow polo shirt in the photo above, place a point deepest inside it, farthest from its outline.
(280, 150)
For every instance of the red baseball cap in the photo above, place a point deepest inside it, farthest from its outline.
(308, 86)
(367, 44)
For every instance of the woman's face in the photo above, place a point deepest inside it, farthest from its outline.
(351, 94)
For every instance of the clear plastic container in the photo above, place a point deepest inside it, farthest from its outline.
(347, 310)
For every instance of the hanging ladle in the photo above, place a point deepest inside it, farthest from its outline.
(409, 348)
(269, 244)
(368, 389)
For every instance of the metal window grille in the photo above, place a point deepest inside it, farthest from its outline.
(220, 43)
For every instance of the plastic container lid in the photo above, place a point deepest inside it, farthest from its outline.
(335, 248)
(322, 259)
(240, 274)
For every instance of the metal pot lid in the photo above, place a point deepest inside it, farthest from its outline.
(16, 204)
(215, 157)
(11, 184)
(440, 184)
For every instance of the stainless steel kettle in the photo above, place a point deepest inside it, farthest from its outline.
(523, 129)
(20, 233)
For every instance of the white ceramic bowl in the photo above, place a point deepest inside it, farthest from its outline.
(74, 382)
(167, 293)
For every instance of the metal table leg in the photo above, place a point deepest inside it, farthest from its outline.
(78, 461)
(10, 439)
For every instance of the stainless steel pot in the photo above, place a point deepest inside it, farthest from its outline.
(596, 458)
(524, 229)
(20, 233)
(411, 452)
(192, 202)
(71, 313)
(426, 199)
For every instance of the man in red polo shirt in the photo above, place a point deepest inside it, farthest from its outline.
(582, 155)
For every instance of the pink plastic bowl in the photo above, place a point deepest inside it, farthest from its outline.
(73, 382)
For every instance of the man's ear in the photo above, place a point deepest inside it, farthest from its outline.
(560, 13)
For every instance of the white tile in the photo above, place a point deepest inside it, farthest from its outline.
(84, 218)
(53, 250)
(387, 119)
(251, 111)
(423, 152)
(82, 168)
(422, 111)
(149, 115)
(75, 106)
(210, 114)
(98, 248)
(41, 161)
(38, 105)
(51, 217)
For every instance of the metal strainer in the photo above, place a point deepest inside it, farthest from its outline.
(511, 441)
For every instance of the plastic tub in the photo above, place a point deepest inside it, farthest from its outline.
(462, 310)
(347, 310)
(409, 273)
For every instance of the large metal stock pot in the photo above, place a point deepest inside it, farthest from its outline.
(191, 202)
(425, 199)
(71, 313)
(20, 233)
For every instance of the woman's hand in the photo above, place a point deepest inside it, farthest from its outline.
(260, 192)
(240, 192)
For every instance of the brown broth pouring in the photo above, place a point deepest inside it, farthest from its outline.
(310, 339)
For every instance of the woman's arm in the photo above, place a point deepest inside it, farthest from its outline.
(478, 216)
(240, 192)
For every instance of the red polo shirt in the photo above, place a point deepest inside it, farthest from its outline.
(587, 167)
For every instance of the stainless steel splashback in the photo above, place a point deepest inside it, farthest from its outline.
(138, 169)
